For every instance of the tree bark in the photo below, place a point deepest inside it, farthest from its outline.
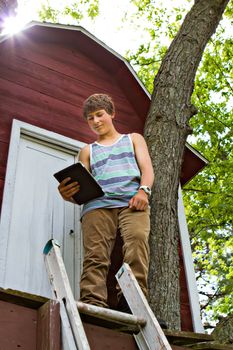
(166, 131)
(223, 333)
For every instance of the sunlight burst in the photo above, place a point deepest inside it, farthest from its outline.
(12, 25)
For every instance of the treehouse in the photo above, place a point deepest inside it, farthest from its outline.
(46, 71)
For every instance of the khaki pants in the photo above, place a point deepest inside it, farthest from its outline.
(99, 228)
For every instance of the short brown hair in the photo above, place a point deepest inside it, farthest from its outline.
(98, 101)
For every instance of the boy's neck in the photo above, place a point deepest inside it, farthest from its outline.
(109, 137)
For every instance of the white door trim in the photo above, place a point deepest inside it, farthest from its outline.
(18, 129)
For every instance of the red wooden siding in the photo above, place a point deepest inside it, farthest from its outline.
(100, 338)
(186, 316)
(28, 322)
(16, 321)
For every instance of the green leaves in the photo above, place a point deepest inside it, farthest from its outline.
(49, 14)
(71, 12)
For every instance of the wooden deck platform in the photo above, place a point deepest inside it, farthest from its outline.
(23, 314)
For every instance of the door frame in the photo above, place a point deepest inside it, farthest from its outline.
(19, 129)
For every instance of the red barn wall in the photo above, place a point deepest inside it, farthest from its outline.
(44, 84)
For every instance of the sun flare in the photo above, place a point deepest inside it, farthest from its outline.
(12, 25)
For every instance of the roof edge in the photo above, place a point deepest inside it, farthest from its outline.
(197, 153)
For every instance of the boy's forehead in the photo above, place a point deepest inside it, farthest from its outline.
(96, 111)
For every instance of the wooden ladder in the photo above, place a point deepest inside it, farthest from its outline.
(147, 331)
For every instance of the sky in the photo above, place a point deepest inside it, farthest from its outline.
(107, 27)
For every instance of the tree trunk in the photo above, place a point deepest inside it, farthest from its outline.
(223, 332)
(166, 130)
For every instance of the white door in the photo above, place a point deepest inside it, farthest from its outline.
(38, 214)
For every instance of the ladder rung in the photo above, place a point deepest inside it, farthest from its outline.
(111, 315)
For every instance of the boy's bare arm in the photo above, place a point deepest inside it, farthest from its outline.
(143, 160)
(140, 201)
(84, 157)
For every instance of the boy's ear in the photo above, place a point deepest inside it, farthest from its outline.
(113, 115)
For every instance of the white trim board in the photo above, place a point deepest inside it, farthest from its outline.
(18, 129)
(189, 267)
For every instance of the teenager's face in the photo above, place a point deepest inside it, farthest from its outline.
(100, 121)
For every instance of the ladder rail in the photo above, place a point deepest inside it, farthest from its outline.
(66, 331)
(62, 291)
(152, 333)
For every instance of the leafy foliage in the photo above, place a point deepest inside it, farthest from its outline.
(162, 24)
(69, 12)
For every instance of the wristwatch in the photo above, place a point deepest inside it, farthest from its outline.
(146, 189)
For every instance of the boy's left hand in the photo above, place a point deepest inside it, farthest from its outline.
(139, 201)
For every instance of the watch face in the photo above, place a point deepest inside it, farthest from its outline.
(146, 189)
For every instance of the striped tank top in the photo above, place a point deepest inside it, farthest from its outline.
(115, 169)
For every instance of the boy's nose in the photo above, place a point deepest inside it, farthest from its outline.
(95, 119)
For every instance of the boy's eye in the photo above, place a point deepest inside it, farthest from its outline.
(97, 114)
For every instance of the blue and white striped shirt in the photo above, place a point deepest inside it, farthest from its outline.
(115, 169)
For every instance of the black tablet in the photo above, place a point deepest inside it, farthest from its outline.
(89, 187)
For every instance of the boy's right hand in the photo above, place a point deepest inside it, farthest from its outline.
(67, 191)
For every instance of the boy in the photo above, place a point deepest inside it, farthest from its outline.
(122, 166)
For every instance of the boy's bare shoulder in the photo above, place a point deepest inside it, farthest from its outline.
(136, 134)
(136, 137)
(85, 150)
(84, 156)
